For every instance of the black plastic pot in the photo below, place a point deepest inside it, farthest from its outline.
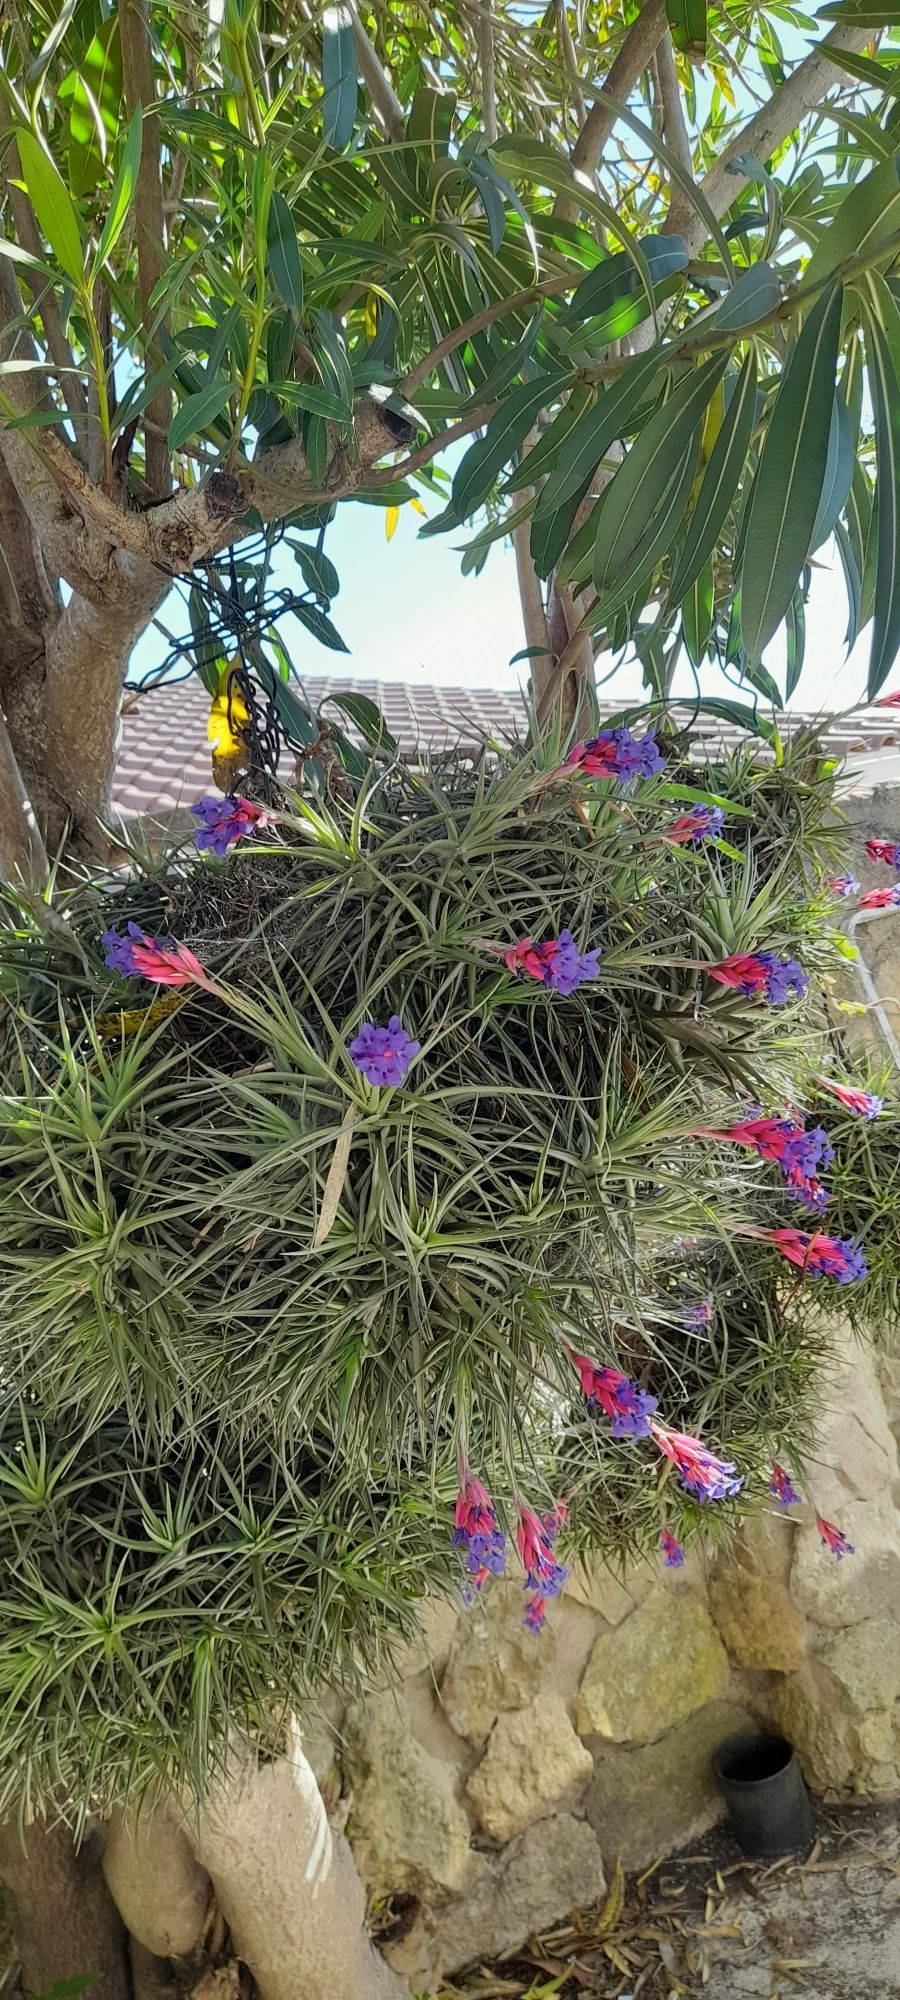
(768, 1804)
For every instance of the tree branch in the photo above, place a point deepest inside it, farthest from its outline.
(23, 856)
(545, 289)
(638, 47)
(766, 130)
(674, 128)
(149, 208)
(376, 79)
(484, 36)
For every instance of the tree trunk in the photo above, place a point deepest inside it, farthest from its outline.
(288, 1888)
(64, 1920)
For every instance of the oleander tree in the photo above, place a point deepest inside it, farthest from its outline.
(266, 1302)
(257, 262)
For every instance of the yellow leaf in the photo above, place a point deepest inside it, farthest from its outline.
(418, 508)
(370, 317)
(724, 82)
(612, 1908)
(391, 517)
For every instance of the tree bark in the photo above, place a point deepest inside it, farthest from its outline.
(160, 1890)
(64, 1919)
(150, 216)
(288, 1888)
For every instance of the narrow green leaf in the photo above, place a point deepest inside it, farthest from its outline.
(550, 534)
(869, 212)
(615, 283)
(755, 295)
(644, 556)
(51, 43)
(320, 626)
(505, 433)
(331, 358)
(852, 580)
(697, 616)
(197, 412)
(862, 13)
(368, 719)
(93, 93)
(687, 26)
(720, 482)
(318, 570)
(734, 711)
(607, 420)
(308, 396)
(285, 267)
(339, 77)
(657, 451)
(796, 641)
(52, 205)
(838, 473)
(882, 337)
(122, 195)
(788, 484)
(880, 75)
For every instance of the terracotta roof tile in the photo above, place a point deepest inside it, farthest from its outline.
(164, 760)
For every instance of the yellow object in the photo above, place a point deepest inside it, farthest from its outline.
(226, 731)
(130, 1020)
(391, 517)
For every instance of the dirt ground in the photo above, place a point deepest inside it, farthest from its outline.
(711, 1923)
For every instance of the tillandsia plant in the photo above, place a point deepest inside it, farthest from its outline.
(361, 1223)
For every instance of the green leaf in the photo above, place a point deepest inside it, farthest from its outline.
(52, 205)
(332, 360)
(339, 77)
(786, 491)
(122, 195)
(308, 396)
(720, 482)
(838, 473)
(284, 256)
(612, 287)
(878, 74)
(318, 570)
(755, 295)
(882, 337)
(197, 412)
(644, 556)
(687, 26)
(656, 453)
(368, 719)
(697, 616)
(507, 430)
(93, 92)
(734, 711)
(862, 13)
(796, 640)
(869, 212)
(606, 420)
(550, 533)
(320, 626)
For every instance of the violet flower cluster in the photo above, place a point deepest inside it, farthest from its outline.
(615, 753)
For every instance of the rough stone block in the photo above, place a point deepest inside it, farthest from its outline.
(533, 1761)
(495, 1662)
(649, 1801)
(408, 1831)
(665, 1662)
(760, 1626)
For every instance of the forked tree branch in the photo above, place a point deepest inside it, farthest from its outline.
(674, 127)
(376, 79)
(638, 47)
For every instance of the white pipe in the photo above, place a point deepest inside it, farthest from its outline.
(866, 980)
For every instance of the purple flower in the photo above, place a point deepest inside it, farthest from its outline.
(628, 1408)
(699, 1470)
(672, 1548)
(383, 1054)
(615, 753)
(834, 1539)
(844, 885)
(119, 949)
(164, 960)
(784, 1492)
(777, 979)
(692, 828)
(225, 821)
(695, 1318)
(558, 963)
(535, 1536)
(477, 1531)
(818, 1256)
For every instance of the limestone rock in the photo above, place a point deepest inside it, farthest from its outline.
(865, 1659)
(495, 1663)
(533, 1761)
(437, 1619)
(810, 1714)
(648, 1801)
(408, 1831)
(664, 1663)
(855, 1438)
(758, 1623)
(865, 1585)
(615, 1597)
(555, 1867)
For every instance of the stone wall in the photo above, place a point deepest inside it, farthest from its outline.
(493, 1788)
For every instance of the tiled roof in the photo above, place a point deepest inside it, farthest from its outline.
(164, 760)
